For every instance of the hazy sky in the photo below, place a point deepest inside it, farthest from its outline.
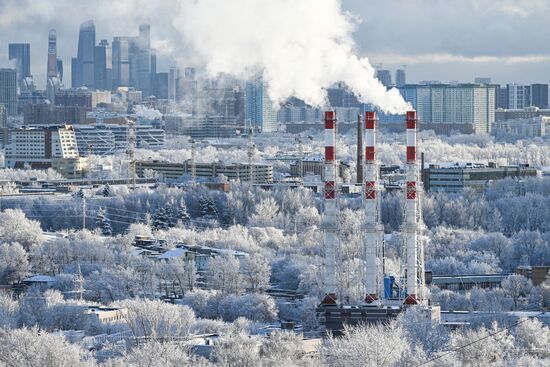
(446, 40)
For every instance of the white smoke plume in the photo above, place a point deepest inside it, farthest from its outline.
(147, 113)
(301, 47)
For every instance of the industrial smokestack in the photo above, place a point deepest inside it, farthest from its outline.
(411, 220)
(359, 178)
(373, 228)
(330, 220)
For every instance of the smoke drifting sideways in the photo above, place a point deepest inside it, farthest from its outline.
(299, 47)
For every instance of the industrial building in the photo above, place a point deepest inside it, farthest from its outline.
(262, 173)
(45, 147)
(384, 299)
(457, 177)
(314, 166)
(103, 139)
(203, 127)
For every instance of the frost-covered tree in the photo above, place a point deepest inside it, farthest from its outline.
(376, 346)
(161, 219)
(493, 351)
(182, 215)
(237, 349)
(14, 264)
(33, 347)
(103, 223)
(256, 272)
(158, 354)
(15, 227)
(224, 274)
(531, 335)
(178, 274)
(517, 286)
(156, 319)
(106, 191)
(421, 332)
(207, 208)
(9, 309)
(266, 214)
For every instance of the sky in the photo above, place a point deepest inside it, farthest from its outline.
(457, 40)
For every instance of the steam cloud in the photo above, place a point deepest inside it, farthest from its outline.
(301, 47)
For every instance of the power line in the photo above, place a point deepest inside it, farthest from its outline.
(478, 340)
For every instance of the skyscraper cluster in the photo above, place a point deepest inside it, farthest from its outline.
(129, 62)
(385, 77)
(517, 96)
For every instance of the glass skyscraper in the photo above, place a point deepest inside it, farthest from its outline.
(21, 53)
(83, 65)
(259, 110)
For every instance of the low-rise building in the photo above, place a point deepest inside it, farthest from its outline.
(457, 177)
(203, 127)
(525, 127)
(107, 315)
(262, 173)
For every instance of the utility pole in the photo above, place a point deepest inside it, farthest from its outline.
(300, 157)
(251, 151)
(83, 211)
(193, 163)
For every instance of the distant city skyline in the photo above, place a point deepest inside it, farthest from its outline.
(436, 40)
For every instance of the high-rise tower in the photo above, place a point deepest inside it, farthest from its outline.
(53, 83)
(52, 54)
(83, 65)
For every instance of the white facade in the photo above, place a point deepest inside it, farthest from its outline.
(36, 146)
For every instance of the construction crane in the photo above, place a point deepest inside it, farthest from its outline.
(251, 153)
(193, 162)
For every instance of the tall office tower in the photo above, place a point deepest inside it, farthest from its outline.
(539, 95)
(160, 87)
(518, 96)
(173, 82)
(121, 61)
(3, 116)
(53, 82)
(400, 77)
(189, 73)
(259, 110)
(8, 90)
(52, 54)
(482, 80)
(143, 53)
(21, 54)
(103, 66)
(153, 72)
(385, 77)
(501, 97)
(59, 67)
(83, 65)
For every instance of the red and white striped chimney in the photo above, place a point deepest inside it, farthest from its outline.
(330, 219)
(372, 209)
(411, 224)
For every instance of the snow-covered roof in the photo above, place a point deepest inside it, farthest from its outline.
(174, 253)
